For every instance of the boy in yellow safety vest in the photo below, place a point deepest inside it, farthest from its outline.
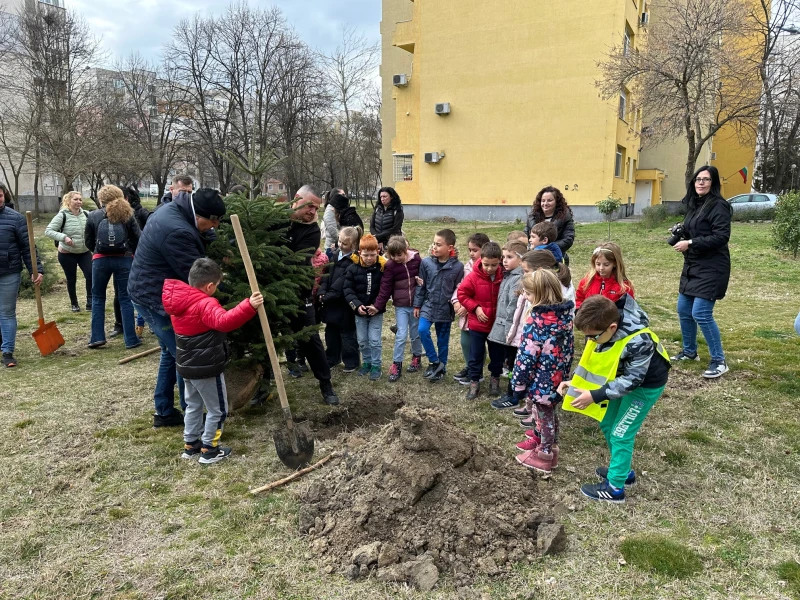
(622, 372)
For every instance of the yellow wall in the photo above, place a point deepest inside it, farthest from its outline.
(393, 61)
(733, 154)
(525, 110)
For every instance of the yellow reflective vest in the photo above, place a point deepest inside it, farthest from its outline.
(598, 368)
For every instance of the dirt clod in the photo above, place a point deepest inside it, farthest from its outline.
(551, 538)
(423, 497)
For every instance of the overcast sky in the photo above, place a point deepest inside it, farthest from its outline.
(143, 25)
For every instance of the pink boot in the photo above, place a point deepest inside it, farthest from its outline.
(541, 462)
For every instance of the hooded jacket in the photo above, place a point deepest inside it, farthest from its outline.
(554, 248)
(399, 281)
(463, 321)
(201, 325)
(592, 285)
(15, 249)
(167, 249)
(439, 281)
(362, 284)
(506, 306)
(335, 309)
(348, 217)
(386, 221)
(640, 365)
(545, 353)
(707, 262)
(479, 289)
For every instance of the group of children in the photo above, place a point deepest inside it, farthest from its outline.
(515, 302)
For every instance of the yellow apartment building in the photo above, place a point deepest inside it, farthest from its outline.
(485, 103)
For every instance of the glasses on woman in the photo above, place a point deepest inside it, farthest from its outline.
(703, 180)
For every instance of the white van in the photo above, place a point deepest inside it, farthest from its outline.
(154, 189)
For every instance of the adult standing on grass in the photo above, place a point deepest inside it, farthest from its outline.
(346, 215)
(304, 234)
(387, 220)
(112, 235)
(704, 236)
(551, 206)
(67, 228)
(171, 242)
(14, 251)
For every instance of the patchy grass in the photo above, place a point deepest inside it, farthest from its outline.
(98, 504)
(662, 556)
(789, 571)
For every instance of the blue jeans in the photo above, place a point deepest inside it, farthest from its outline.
(694, 311)
(102, 270)
(407, 326)
(797, 324)
(164, 395)
(9, 288)
(368, 330)
(442, 338)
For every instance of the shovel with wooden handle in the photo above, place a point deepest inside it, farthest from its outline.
(295, 443)
(47, 337)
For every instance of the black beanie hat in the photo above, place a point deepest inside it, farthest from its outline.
(208, 203)
(339, 201)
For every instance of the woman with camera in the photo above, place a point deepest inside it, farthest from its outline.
(703, 239)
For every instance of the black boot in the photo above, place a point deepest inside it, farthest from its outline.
(329, 397)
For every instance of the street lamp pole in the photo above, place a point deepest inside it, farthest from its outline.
(794, 168)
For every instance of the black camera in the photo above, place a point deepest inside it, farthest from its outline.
(678, 233)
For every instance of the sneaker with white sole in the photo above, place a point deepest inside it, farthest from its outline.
(604, 492)
(602, 473)
(683, 356)
(211, 455)
(191, 449)
(717, 368)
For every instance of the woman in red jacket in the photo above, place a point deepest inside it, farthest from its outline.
(605, 277)
(478, 294)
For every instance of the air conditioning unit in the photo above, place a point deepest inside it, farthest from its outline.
(713, 156)
(443, 108)
(399, 80)
(433, 157)
(645, 18)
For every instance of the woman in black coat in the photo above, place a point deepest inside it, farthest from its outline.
(387, 220)
(703, 239)
(550, 205)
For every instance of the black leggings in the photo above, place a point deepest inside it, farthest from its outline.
(70, 263)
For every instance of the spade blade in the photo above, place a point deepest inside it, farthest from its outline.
(295, 446)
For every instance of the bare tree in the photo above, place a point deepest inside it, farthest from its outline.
(693, 73)
(779, 69)
(153, 107)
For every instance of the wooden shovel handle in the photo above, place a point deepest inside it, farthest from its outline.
(36, 288)
(262, 316)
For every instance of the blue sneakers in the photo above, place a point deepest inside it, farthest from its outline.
(602, 473)
(604, 492)
(505, 401)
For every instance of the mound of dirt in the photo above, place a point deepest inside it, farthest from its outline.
(423, 497)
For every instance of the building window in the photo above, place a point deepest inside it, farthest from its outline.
(623, 104)
(269, 187)
(618, 161)
(403, 167)
(626, 42)
(281, 187)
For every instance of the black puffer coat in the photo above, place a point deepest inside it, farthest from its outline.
(14, 246)
(348, 217)
(707, 262)
(362, 284)
(335, 309)
(386, 221)
(167, 249)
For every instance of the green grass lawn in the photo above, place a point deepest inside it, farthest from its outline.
(97, 504)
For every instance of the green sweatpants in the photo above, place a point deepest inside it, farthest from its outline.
(620, 425)
(465, 345)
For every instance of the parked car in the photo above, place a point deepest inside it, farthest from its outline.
(753, 201)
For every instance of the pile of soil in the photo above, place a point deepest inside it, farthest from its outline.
(422, 497)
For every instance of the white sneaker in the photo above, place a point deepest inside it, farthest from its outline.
(716, 369)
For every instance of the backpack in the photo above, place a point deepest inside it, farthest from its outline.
(111, 238)
(64, 222)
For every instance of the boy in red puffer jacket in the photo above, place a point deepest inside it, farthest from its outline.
(478, 294)
(200, 325)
